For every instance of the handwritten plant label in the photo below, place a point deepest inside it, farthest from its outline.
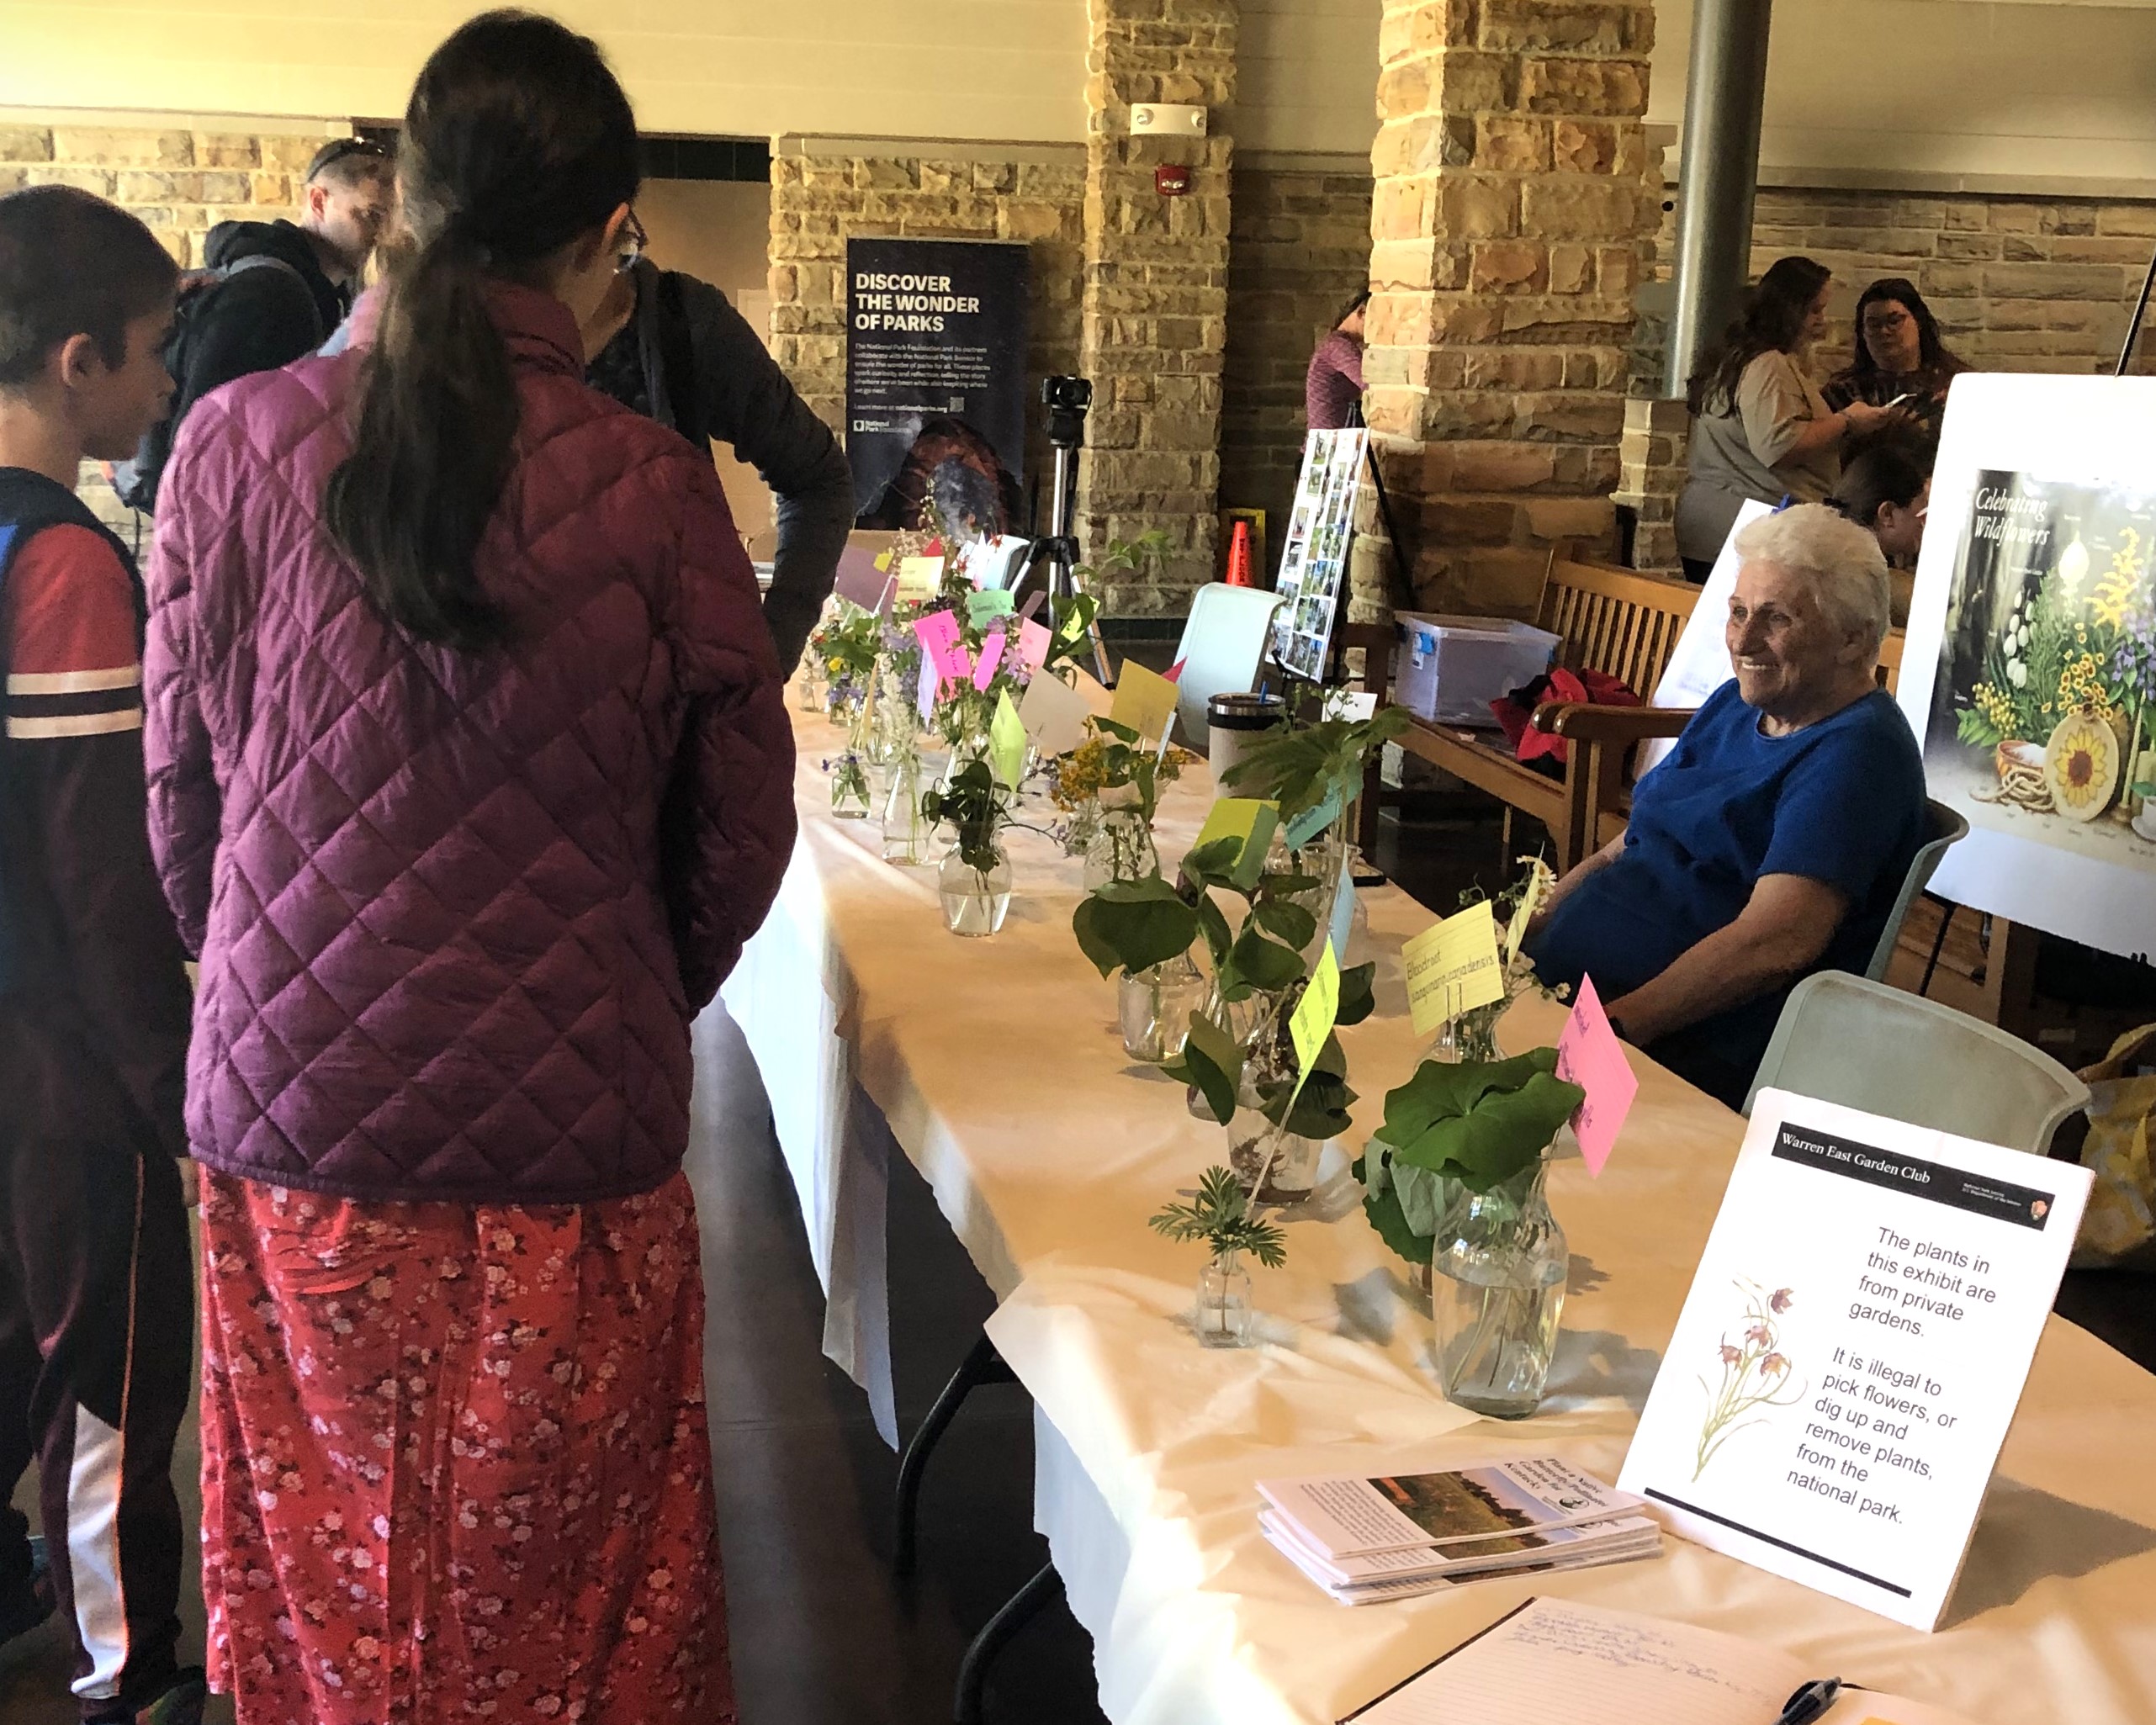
(1145, 700)
(1249, 819)
(1314, 820)
(991, 662)
(985, 605)
(1007, 742)
(1314, 1014)
(939, 632)
(1452, 967)
(1054, 715)
(1033, 643)
(1590, 1056)
(920, 578)
(1856, 1338)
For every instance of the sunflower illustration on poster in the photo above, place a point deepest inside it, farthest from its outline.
(2043, 713)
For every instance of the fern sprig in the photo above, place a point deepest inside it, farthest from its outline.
(1221, 1216)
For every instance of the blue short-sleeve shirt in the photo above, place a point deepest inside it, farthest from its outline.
(1840, 802)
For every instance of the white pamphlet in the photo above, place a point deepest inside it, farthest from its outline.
(1852, 1349)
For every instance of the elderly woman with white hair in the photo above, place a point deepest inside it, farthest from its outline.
(1773, 840)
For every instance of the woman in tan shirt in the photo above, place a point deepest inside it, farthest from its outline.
(1759, 427)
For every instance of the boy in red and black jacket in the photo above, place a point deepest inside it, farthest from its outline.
(96, 1278)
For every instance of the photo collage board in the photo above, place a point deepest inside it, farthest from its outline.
(1314, 560)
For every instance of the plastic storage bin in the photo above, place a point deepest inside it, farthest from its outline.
(1451, 668)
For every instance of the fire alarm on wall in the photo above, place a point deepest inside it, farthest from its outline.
(1171, 179)
(1174, 119)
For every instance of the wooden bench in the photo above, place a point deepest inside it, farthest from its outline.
(1615, 621)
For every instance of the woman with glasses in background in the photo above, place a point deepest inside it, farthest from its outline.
(1900, 361)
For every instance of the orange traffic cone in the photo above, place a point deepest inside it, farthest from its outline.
(1238, 556)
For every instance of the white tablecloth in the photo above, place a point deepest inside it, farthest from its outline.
(996, 1065)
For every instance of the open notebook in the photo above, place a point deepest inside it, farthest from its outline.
(1555, 1662)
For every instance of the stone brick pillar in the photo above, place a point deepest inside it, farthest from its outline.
(1656, 432)
(1511, 215)
(1154, 319)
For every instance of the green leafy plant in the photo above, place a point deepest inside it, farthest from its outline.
(1478, 1123)
(1221, 1215)
(1302, 767)
(976, 806)
(1133, 925)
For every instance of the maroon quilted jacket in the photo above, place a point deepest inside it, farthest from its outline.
(455, 911)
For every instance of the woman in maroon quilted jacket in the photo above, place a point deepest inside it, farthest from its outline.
(470, 773)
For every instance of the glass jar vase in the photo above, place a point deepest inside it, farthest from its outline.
(1501, 1262)
(905, 828)
(1274, 1165)
(974, 901)
(1223, 1315)
(849, 787)
(1153, 1007)
(1120, 849)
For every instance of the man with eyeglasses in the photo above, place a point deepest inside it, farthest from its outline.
(672, 348)
(272, 291)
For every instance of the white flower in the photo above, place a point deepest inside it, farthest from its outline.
(2017, 673)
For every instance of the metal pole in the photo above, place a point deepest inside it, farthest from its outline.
(1724, 91)
(2134, 324)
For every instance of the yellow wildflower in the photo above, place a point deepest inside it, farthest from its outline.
(2122, 582)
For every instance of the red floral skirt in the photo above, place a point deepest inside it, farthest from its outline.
(455, 1462)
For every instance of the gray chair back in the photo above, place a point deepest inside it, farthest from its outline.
(1223, 645)
(1857, 1042)
(1942, 827)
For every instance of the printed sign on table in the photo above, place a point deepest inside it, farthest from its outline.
(1852, 1349)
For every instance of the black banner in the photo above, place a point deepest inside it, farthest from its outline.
(935, 380)
(1999, 1199)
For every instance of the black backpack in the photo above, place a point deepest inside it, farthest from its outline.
(136, 481)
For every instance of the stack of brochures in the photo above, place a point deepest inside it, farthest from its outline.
(1367, 1540)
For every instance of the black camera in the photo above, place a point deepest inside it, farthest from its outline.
(1066, 395)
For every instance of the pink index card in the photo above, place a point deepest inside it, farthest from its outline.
(1033, 642)
(992, 660)
(1590, 1056)
(939, 632)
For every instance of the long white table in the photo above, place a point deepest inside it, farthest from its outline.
(994, 1067)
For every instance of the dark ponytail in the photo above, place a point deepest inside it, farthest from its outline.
(517, 141)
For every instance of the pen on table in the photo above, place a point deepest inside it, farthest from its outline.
(1810, 1701)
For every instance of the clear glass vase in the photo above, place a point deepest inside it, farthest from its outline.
(905, 828)
(808, 687)
(1223, 1315)
(1254, 1018)
(1275, 1166)
(1500, 1260)
(1083, 824)
(849, 787)
(1153, 1007)
(974, 901)
(1120, 849)
(1470, 1035)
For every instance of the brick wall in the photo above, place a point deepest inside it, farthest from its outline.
(181, 182)
(1299, 245)
(1155, 317)
(817, 200)
(1515, 193)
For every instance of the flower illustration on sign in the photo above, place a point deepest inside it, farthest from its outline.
(1755, 1373)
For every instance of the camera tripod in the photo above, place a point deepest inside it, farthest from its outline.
(1054, 554)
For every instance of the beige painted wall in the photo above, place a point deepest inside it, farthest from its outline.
(961, 68)
(1306, 75)
(2056, 88)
